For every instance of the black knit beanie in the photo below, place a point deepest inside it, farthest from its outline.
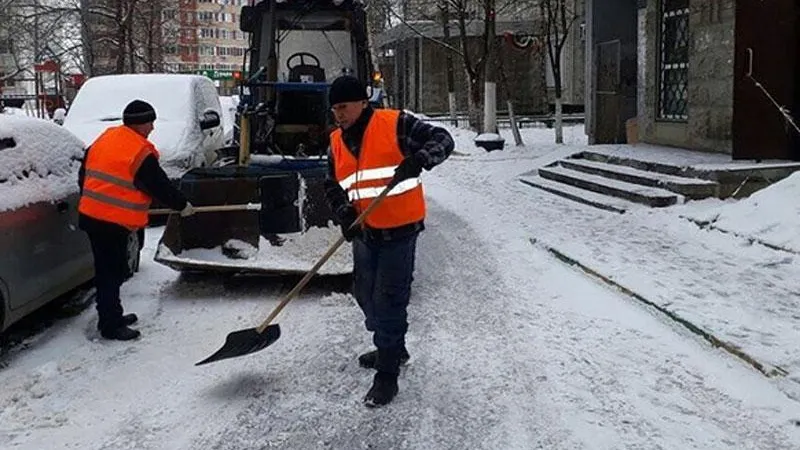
(347, 88)
(138, 112)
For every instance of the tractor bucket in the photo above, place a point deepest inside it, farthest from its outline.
(284, 235)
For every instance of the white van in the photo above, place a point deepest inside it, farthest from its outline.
(188, 129)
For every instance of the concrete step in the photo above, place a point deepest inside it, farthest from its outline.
(693, 188)
(649, 166)
(637, 193)
(577, 194)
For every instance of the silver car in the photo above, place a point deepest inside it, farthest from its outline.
(43, 254)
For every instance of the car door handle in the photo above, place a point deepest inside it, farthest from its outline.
(62, 207)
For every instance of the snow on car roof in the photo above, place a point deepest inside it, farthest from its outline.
(170, 95)
(39, 161)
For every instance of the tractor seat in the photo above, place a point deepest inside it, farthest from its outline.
(307, 74)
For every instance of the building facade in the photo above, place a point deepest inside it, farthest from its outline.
(208, 40)
(415, 64)
(707, 75)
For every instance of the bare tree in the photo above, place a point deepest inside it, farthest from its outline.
(558, 18)
(473, 50)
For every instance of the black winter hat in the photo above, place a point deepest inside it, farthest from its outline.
(347, 88)
(138, 112)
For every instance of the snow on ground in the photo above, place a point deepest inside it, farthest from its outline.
(510, 349)
(767, 215)
(39, 161)
(745, 294)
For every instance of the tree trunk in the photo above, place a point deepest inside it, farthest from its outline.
(490, 72)
(559, 126)
(514, 128)
(475, 113)
(451, 82)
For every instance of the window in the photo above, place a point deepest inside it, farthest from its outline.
(674, 60)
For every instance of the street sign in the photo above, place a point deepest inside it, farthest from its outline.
(218, 74)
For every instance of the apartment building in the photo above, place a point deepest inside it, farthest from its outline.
(207, 40)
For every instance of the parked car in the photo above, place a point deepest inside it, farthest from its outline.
(43, 254)
(188, 130)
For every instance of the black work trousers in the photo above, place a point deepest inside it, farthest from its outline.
(109, 247)
(383, 273)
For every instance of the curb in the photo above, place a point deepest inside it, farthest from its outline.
(704, 225)
(734, 350)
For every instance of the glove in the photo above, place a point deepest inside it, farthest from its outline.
(187, 210)
(347, 219)
(410, 167)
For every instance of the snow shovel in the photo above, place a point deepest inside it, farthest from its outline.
(251, 340)
(202, 209)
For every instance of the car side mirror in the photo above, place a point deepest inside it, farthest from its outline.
(210, 120)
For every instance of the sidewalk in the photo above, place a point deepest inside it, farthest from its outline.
(741, 292)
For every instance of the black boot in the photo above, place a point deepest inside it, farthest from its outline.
(384, 385)
(383, 390)
(129, 319)
(367, 360)
(121, 333)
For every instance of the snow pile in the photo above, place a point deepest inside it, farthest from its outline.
(297, 252)
(241, 249)
(769, 215)
(488, 137)
(41, 166)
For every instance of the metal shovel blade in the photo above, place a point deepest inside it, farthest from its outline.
(244, 342)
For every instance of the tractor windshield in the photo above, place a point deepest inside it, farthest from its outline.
(314, 55)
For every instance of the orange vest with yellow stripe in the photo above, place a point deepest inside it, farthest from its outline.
(108, 190)
(364, 178)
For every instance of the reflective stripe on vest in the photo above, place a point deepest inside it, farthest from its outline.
(366, 177)
(109, 192)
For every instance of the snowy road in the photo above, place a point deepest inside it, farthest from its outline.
(510, 350)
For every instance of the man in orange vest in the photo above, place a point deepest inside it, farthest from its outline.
(369, 150)
(119, 177)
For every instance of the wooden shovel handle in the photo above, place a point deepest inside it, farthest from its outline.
(301, 284)
(217, 208)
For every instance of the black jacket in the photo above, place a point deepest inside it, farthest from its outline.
(429, 143)
(151, 179)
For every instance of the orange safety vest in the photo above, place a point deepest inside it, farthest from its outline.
(108, 191)
(364, 178)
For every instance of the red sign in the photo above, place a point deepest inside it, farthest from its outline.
(47, 66)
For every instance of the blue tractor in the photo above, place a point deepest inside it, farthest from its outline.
(297, 48)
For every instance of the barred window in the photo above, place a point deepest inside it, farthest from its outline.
(674, 60)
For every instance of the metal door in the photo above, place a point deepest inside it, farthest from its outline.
(608, 100)
(766, 52)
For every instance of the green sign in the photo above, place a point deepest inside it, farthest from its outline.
(218, 74)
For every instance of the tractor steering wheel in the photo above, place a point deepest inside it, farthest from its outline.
(302, 56)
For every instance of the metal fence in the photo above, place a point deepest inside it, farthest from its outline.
(504, 122)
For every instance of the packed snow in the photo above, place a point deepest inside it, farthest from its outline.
(510, 348)
(297, 252)
(41, 166)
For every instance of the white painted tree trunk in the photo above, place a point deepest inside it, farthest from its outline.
(453, 108)
(490, 108)
(559, 126)
(514, 127)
